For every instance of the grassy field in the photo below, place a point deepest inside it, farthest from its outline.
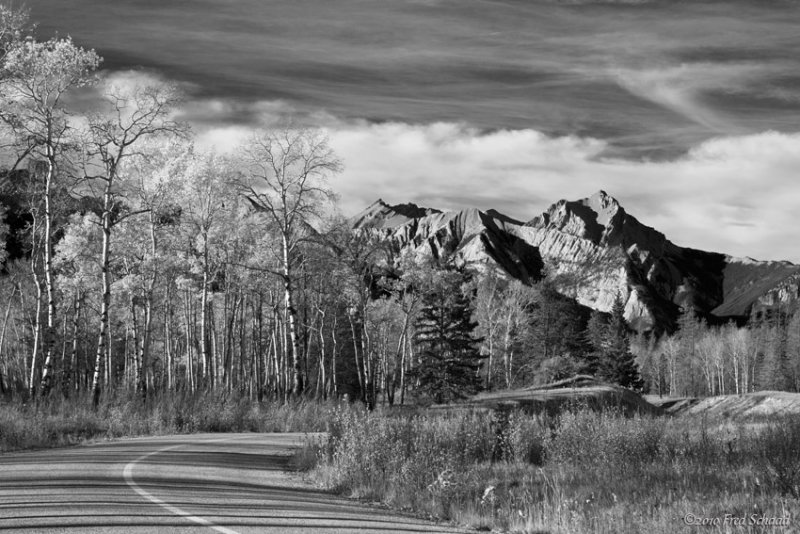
(580, 472)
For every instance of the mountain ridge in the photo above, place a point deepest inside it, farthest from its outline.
(599, 251)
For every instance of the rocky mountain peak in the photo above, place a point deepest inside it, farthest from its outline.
(604, 206)
(598, 218)
(381, 214)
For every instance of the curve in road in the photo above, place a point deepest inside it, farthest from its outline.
(228, 483)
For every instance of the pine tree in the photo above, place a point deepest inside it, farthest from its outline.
(450, 355)
(617, 361)
(595, 337)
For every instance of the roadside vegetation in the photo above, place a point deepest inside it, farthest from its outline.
(72, 421)
(580, 472)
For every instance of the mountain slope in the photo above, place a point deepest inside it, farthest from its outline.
(593, 251)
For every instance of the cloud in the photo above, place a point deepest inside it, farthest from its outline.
(732, 194)
(681, 89)
(473, 103)
(93, 98)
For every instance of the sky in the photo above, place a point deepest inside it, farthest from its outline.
(688, 112)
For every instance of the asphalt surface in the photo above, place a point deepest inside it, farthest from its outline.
(228, 483)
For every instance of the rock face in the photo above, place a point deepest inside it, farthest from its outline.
(593, 250)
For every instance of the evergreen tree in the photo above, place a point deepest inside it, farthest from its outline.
(450, 357)
(595, 337)
(617, 362)
(552, 345)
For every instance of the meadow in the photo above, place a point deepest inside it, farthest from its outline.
(579, 472)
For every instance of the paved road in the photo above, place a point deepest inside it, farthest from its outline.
(228, 483)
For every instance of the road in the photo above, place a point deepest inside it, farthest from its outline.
(228, 483)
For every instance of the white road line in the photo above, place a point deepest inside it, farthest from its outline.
(127, 474)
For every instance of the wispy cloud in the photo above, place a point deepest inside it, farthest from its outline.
(685, 89)
(649, 77)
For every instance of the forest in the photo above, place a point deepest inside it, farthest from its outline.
(134, 262)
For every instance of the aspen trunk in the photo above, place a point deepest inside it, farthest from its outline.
(106, 295)
(138, 364)
(37, 318)
(204, 322)
(168, 338)
(322, 375)
(297, 371)
(36, 335)
(334, 384)
(3, 338)
(69, 371)
(189, 355)
(49, 333)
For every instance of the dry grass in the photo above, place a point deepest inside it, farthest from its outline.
(58, 422)
(582, 472)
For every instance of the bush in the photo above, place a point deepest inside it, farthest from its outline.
(605, 439)
(780, 455)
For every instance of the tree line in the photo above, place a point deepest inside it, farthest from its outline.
(699, 359)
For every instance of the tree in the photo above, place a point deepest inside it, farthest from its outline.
(793, 351)
(358, 257)
(450, 358)
(406, 290)
(489, 316)
(155, 189)
(37, 75)
(618, 363)
(211, 220)
(12, 23)
(75, 260)
(688, 372)
(551, 344)
(133, 115)
(285, 175)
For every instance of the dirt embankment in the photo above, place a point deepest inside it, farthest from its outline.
(580, 391)
(758, 404)
(586, 391)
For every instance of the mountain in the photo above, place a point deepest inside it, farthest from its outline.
(593, 250)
